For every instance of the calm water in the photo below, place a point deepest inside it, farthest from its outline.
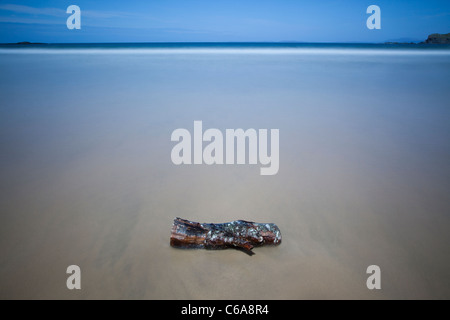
(86, 176)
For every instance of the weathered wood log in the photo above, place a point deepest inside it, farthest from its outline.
(239, 234)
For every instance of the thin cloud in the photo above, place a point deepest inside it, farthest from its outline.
(438, 15)
(22, 14)
(109, 14)
(57, 12)
(28, 20)
(54, 12)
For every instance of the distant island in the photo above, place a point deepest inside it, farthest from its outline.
(437, 38)
(27, 43)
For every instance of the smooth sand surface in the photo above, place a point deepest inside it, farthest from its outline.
(86, 176)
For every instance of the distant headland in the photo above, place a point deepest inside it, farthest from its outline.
(435, 38)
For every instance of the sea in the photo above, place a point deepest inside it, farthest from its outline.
(86, 176)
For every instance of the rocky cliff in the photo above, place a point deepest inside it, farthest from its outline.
(438, 38)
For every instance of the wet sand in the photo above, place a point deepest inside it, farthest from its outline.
(86, 176)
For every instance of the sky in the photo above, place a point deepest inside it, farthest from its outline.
(221, 20)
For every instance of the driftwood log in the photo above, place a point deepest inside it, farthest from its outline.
(239, 234)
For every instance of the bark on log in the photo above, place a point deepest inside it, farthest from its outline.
(239, 234)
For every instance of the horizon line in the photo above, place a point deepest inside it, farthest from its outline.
(215, 42)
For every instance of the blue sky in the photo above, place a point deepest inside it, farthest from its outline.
(221, 20)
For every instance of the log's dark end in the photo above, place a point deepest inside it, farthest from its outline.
(187, 234)
(241, 235)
